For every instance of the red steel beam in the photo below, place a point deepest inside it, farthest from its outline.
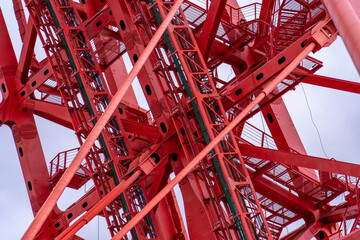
(54, 112)
(27, 51)
(300, 160)
(84, 219)
(96, 131)
(263, 74)
(283, 130)
(341, 214)
(352, 236)
(265, 14)
(210, 28)
(282, 127)
(20, 17)
(333, 83)
(147, 76)
(7, 57)
(74, 211)
(188, 168)
(283, 197)
(346, 17)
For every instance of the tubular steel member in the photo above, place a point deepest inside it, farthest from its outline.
(70, 231)
(183, 173)
(71, 170)
(346, 18)
(211, 118)
(230, 193)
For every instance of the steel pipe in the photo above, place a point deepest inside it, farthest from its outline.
(188, 168)
(95, 132)
(347, 22)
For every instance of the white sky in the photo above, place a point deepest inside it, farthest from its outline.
(335, 114)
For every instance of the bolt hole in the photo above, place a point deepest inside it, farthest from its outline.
(281, 60)
(238, 92)
(33, 83)
(21, 152)
(57, 225)
(84, 205)
(135, 57)
(46, 72)
(22, 93)
(270, 118)
(259, 76)
(29, 185)
(163, 127)
(122, 25)
(98, 24)
(148, 90)
(69, 215)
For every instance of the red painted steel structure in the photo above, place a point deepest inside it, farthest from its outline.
(237, 182)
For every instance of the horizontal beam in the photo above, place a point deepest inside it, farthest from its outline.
(283, 197)
(300, 160)
(53, 112)
(333, 83)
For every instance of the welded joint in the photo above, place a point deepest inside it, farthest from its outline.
(262, 91)
(147, 165)
(234, 184)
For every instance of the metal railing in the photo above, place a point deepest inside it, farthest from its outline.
(61, 161)
(243, 14)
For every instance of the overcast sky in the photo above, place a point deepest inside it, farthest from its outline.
(335, 114)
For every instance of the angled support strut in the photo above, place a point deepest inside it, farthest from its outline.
(94, 134)
(187, 169)
(70, 231)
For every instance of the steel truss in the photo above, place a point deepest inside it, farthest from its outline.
(237, 182)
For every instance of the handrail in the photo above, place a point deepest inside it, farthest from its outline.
(61, 160)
